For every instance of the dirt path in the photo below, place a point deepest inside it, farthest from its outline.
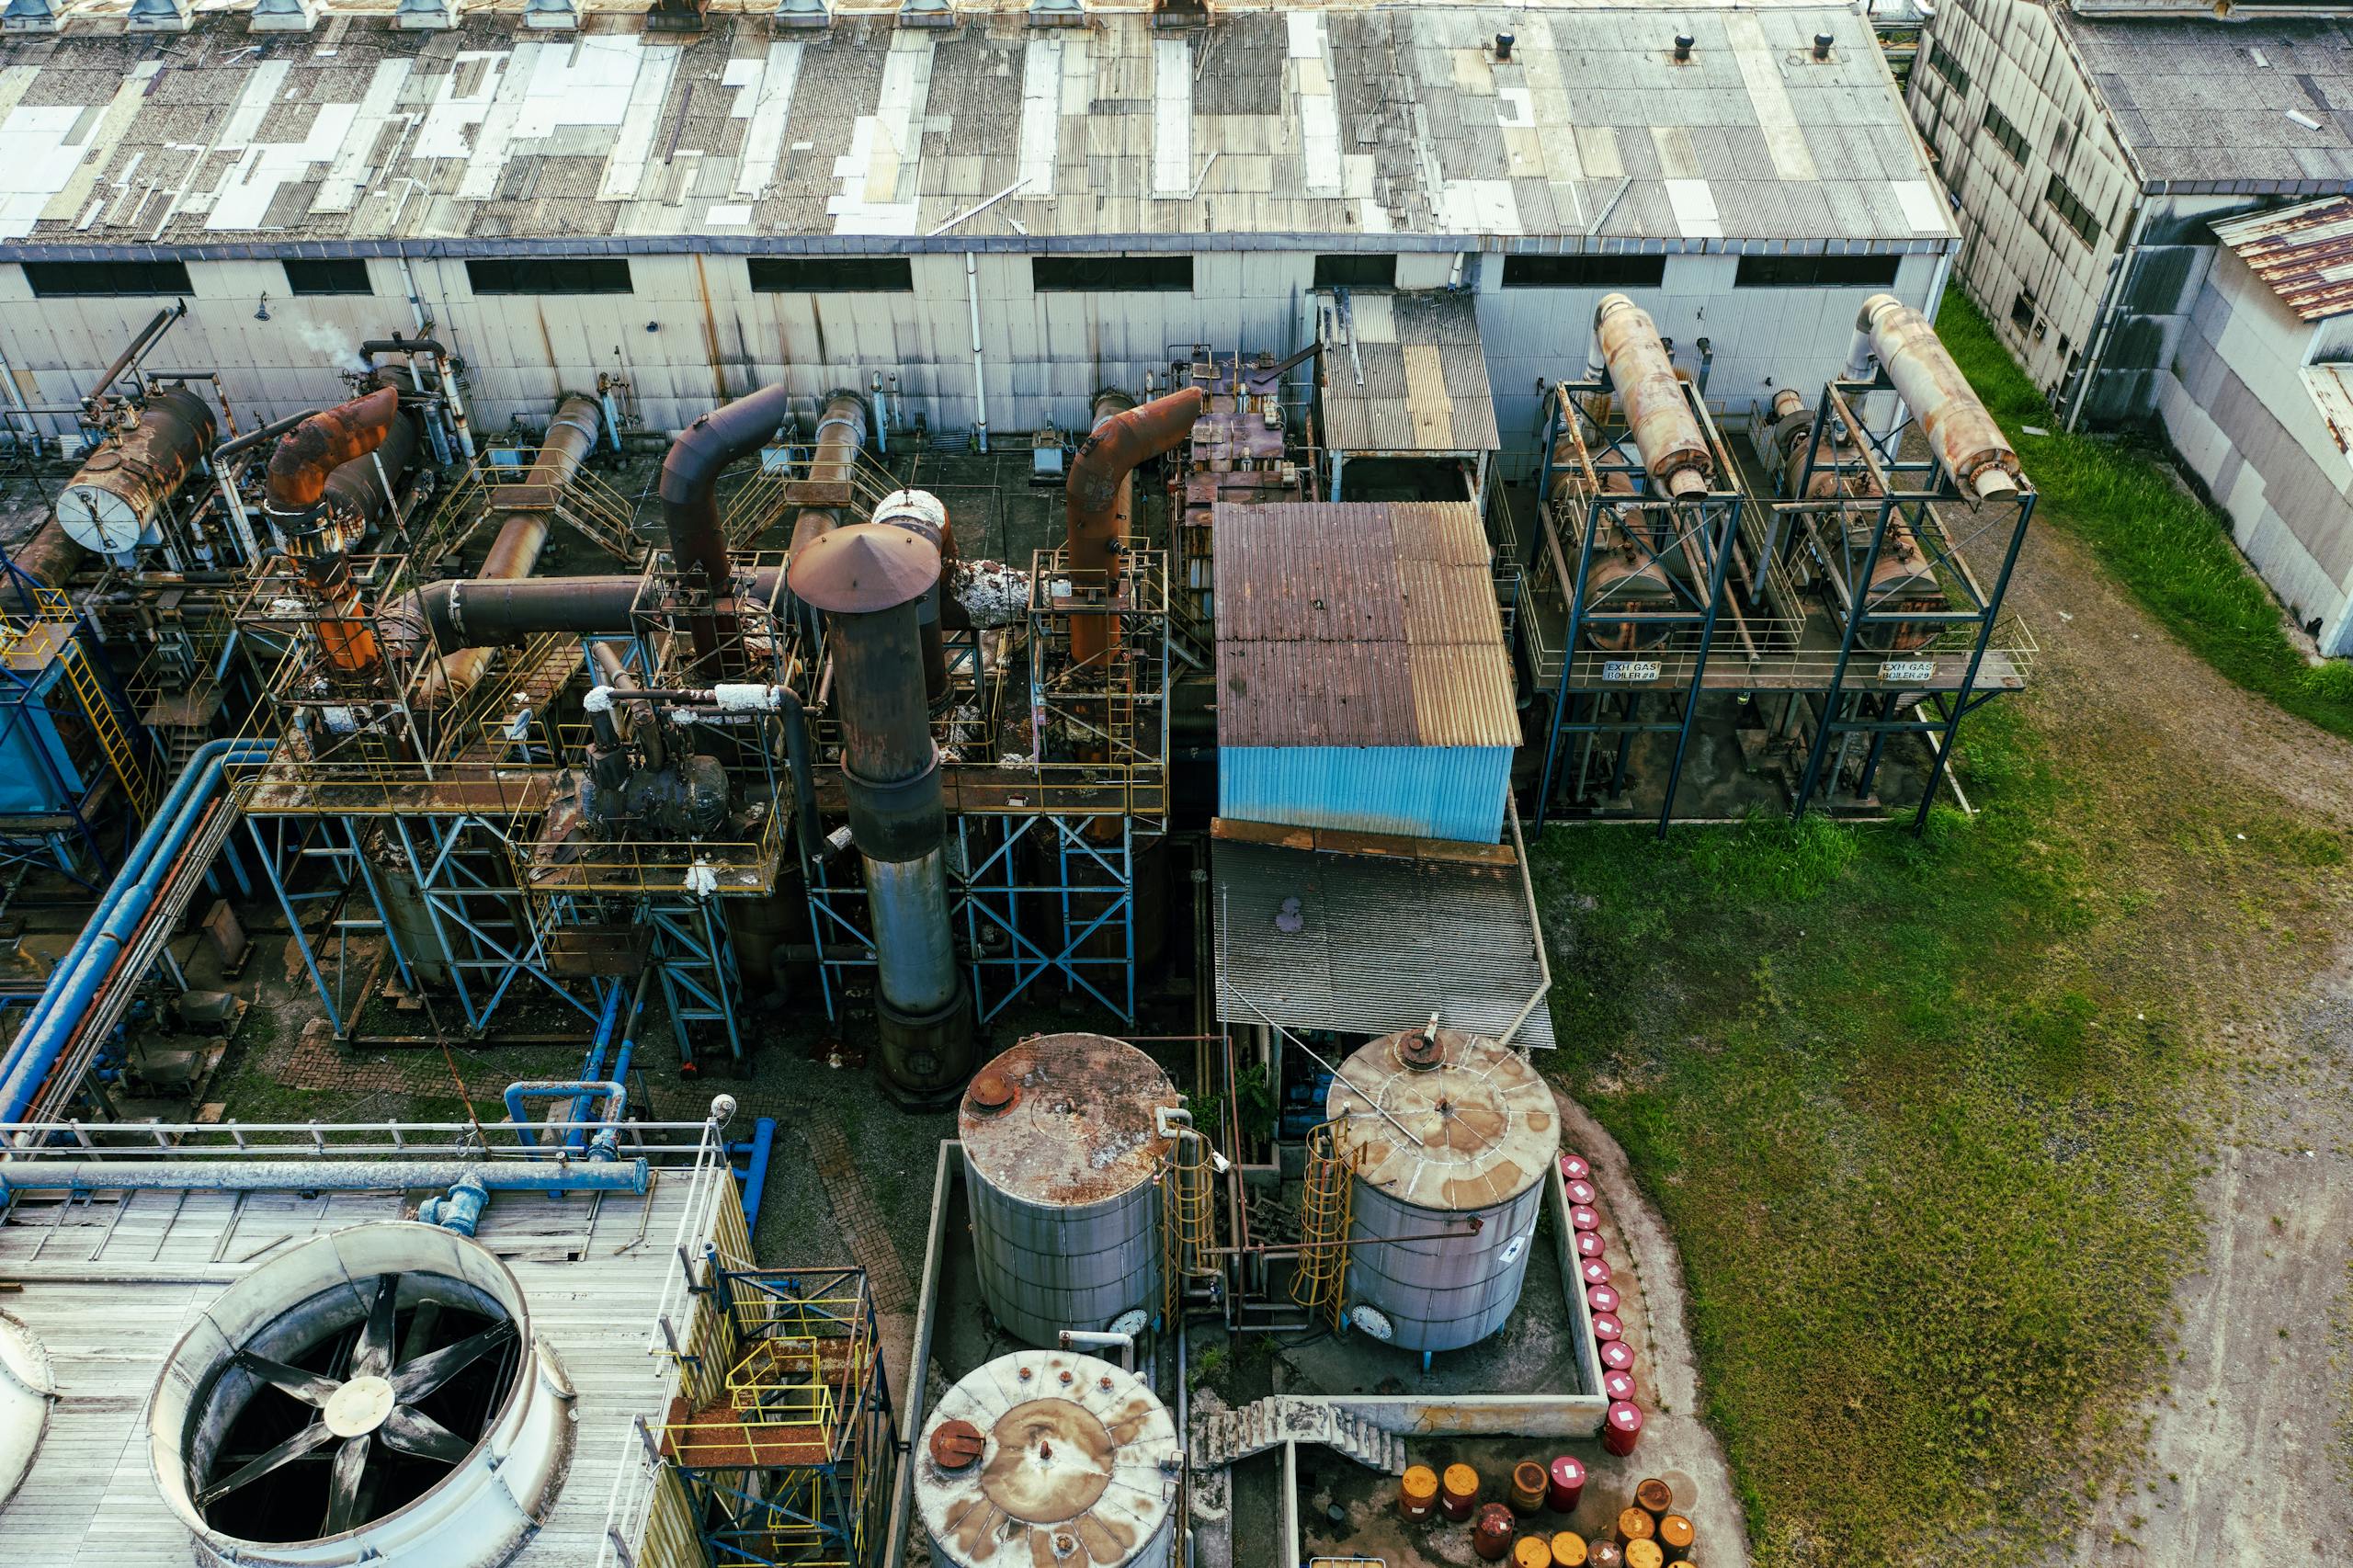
(2246, 1441)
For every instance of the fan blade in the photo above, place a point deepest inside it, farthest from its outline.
(427, 1373)
(312, 1437)
(413, 1432)
(343, 1491)
(372, 1358)
(307, 1386)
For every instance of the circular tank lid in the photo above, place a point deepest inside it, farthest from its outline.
(1468, 1126)
(1066, 1119)
(97, 518)
(863, 567)
(1077, 1464)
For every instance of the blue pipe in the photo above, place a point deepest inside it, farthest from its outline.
(615, 1094)
(592, 1071)
(756, 1175)
(76, 981)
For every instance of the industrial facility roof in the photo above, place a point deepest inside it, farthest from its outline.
(2303, 253)
(1367, 127)
(1364, 944)
(1359, 624)
(2262, 107)
(1407, 374)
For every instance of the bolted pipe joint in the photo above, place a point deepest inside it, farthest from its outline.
(461, 1209)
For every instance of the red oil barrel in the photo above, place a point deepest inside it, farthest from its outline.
(1602, 1298)
(1634, 1523)
(1458, 1490)
(1526, 1487)
(1643, 1554)
(1574, 1168)
(1653, 1496)
(1622, 1427)
(1568, 1549)
(1583, 1218)
(1605, 1554)
(1565, 1485)
(1676, 1534)
(1531, 1551)
(1581, 1191)
(1606, 1327)
(1618, 1384)
(1617, 1356)
(1491, 1537)
(1593, 1271)
(1590, 1244)
(1418, 1492)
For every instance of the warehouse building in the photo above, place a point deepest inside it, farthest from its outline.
(990, 219)
(2090, 150)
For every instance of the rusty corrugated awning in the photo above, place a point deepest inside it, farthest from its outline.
(2304, 253)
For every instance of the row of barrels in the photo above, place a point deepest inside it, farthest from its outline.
(1622, 1426)
(1647, 1533)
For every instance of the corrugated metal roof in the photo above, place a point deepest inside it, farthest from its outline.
(1360, 624)
(2304, 253)
(1373, 944)
(1424, 386)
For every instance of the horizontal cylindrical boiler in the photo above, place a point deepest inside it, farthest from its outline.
(1960, 430)
(1675, 452)
(111, 505)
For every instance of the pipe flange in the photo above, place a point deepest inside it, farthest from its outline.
(993, 1094)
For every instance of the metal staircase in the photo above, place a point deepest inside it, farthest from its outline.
(114, 738)
(1220, 1437)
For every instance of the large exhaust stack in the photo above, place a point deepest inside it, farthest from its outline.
(870, 580)
(1675, 453)
(1093, 515)
(1960, 430)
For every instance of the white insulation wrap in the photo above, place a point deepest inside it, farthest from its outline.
(26, 1385)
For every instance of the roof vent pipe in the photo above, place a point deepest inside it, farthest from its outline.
(1503, 45)
(1091, 511)
(1682, 49)
(1822, 46)
(1960, 432)
(690, 507)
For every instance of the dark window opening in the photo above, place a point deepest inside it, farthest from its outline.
(832, 274)
(67, 279)
(1941, 61)
(2007, 136)
(2023, 310)
(1111, 274)
(2072, 211)
(345, 275)
(1816, 272)
(1365, 271)
(1584, 271)
(535, 275)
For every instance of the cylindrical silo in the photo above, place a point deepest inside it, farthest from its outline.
(1063, 1146)
(1049, 1457)
(1469, 1131)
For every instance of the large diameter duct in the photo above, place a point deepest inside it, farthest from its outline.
(869, 579)
(925, 516)
(1093, 513)
(1960, 431)
(515, 552)
(841, 436)
(295, 491)
(359, 494)
(111, 504)
(1675, 452)
(690, 506)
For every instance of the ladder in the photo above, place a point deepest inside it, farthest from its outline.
(1326, 1202)
(1184, 1221)
(114, 740)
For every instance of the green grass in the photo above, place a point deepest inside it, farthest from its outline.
(2170, 551)
(1925, 1118)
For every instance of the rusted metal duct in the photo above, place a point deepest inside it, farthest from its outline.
(475, 612)
(869, 579)
(1674, 451)
(690, 506)
(296, 487)
(925, 516)
(1109, 403)
(841, 436)
(1960, 431)
(1092, 513)
(515, 551)
(356, 500)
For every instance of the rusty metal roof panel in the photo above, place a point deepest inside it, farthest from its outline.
(2304, 253)
(2332, 393)
(1359, 624)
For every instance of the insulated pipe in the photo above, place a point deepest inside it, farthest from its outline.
(841, 436)
(1960, 432)
(868, 580)
(323, 1175)
(76, 980)
(1674, 451)
(515, 551)
(1086, 1339)
(297, 481)
(1091, 509)
(924, 514)
(690, 507)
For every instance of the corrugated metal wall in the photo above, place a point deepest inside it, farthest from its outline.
(1414, 791)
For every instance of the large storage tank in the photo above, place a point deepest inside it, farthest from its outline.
(111, 505)
(1064, 1152)
(1049, 1457)
(1470, 1132)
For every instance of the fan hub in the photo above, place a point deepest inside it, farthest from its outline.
(359, 1406)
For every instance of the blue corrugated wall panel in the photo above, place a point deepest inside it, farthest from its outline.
(1415, 791)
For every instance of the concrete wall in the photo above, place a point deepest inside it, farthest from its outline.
(2235, 406)
(693, 333)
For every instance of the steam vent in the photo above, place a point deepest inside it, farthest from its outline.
(1062, 1142)
(1468, 1132)
(1047, 1457)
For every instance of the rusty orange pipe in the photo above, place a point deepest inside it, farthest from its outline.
(1092, 500)
(297, 481)
(1643, 378)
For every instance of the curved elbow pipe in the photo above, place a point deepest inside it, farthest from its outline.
(689, 480)
(1091, 509)
(322, 443)
(396, 344)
